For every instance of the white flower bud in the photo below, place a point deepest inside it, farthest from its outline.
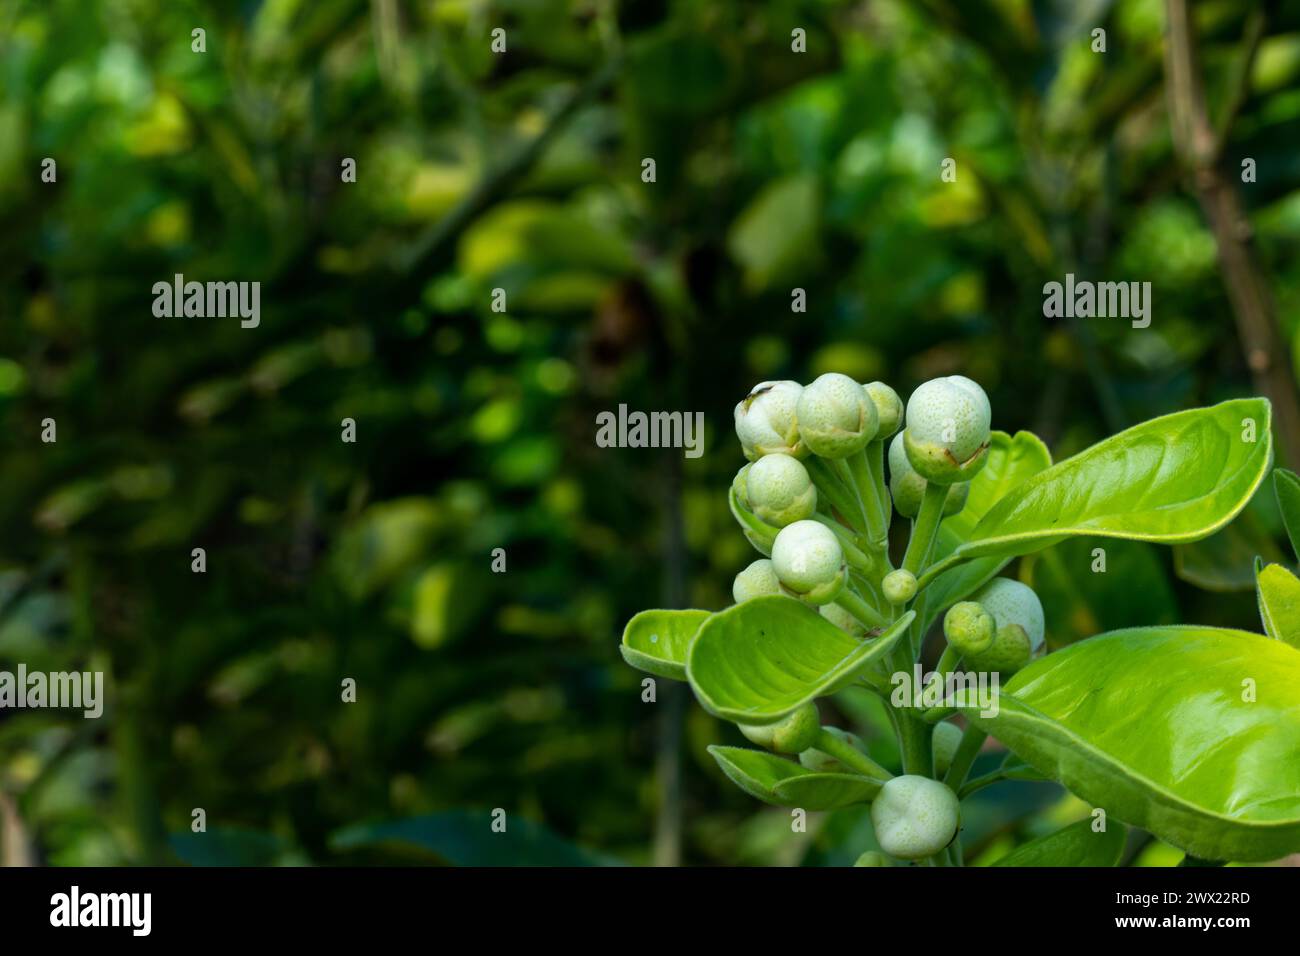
(914, 817)
(779, 490)
(873, 858)
(792, 735)
(947, 431)
(907, 487)
(809, 561)
(757, 580)
(1011, 602)
(738, 485)
(899, 586)
(889, 407)
(944, 742)
(765, 420)
(835, 416)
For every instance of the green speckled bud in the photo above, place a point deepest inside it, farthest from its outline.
(757, 580)
(899, 586)
(809, 561)
(907, 487)
(873, 858)
(842, 619)
(836, 418)
(915, 817)
(889, 408)
(969, 628)
(814, 759)
(1011, 602)
(766, 423)
(1009, 652)
(792, 735)
(944, 741)
(947, 433)
(779, 490)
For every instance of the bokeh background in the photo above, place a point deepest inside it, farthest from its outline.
(522, 170)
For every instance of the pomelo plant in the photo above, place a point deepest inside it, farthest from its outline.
(1191, 733)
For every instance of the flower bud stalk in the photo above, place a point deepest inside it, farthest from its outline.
(859, 608)
(850, 756)
(925, 527)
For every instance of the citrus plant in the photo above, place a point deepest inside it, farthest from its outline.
(1188, 732)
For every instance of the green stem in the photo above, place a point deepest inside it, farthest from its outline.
(857, 559)
(850, 756)
(971, 742)
(869, 494)
(914, 742)
(747, 519)
(840, 467)
(860, 609)
(876, 462)
(833, 491)
(925, 527)
(979, 783)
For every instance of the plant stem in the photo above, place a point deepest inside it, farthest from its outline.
(925, 527)
(980, 782)
(834, 493)
(857, 559)
(914, 742)
(850, 756)
(971, 742)
(875, 453)
(840, 467)
(869, 494)
(860, 609)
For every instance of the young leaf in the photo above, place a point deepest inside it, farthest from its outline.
(1286, 485)
(759, 661)
(1172, 479)
(1188, 732)
(1075, 845)
(784, 783)
(656, 641)
(1011, 462)
(1279, 603)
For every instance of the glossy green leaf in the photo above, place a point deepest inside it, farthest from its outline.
(656, 641)
(1172, 479)
(784, 783)
(1075, 845)
(1011, 462)
(1189, 732)
(1286, 486)
(1279, 603)
(756, 662)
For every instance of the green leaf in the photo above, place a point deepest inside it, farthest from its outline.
(656, 641)
(1011, 462)
(1225, 561)
(1172, 479)
(1286, 485)
(1279, 603)
(776, 236)
(1188, 732)
(784, 783)
(759, 661)
(1075, 845)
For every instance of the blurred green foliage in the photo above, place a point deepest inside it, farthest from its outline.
(521, 171)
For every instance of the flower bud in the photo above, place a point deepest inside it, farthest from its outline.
(873, 858)
(1009, 652)
(842, 619)
(738, 485)
(761, 544)
(889, 407)
(757, 580)
(765, 420)
(944, 742)
(899, 586)
(792, 735)
(907, 487)
(914, 817)
(779, 490)
(809, 561)
(947, 433)
(969, 628)
(1011, 602)
(836, 418)
(813, 759)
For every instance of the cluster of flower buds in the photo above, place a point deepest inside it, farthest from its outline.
(999, 629)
